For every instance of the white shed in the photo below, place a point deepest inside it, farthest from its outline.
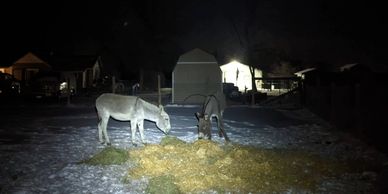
(196, 72)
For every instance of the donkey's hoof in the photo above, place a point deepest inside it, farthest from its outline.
(143, 142)
(106, 143)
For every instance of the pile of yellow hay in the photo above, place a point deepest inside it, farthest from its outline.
(205, 165)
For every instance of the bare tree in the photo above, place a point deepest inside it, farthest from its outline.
(242, 27)
(250, 26)
(245, 28)
(284, 68)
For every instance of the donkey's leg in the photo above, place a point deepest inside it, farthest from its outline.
(100, 129)
(140, 124)
(105, 132)
(104, 125)
(133, 130)
(221, 128)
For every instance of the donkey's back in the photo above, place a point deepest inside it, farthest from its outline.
(214, 105)
(119, 107)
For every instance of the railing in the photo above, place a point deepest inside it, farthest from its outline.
(276, 86)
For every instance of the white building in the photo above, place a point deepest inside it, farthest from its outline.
(240, 75)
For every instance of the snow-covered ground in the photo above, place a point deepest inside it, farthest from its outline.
(41, 145)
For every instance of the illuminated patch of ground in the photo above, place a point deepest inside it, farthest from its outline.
(205, 165)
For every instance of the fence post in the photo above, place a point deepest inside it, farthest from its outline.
(68, 91)
(159, 92)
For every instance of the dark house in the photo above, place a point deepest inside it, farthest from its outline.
(353, 99)
(77, 72)
(26, 67)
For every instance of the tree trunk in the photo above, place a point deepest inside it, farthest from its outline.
(68, 91)
(252, 70)
(254, 89)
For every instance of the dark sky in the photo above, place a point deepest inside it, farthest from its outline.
(154, 33)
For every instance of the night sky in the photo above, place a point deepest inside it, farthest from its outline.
(153, 34)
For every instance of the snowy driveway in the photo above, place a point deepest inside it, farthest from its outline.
(40, 146)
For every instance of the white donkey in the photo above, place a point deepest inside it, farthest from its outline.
(129, 108)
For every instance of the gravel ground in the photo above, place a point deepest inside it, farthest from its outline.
(41, 145)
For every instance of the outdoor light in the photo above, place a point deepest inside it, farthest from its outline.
(63, 86)
(238, 74)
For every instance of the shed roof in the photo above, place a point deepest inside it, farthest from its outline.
(31, 60)
(347, 66)
(196, 56)
(299, 73)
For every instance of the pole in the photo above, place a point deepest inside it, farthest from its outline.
(159, 92)
(68, 91)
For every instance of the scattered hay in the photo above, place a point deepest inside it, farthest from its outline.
(162, 184)
(171, 140)
(205, 165)
(108, 156)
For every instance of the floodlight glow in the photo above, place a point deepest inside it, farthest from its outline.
(63, 86)
(238, 74)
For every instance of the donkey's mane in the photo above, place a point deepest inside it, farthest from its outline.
(149, 107)
(207, 100)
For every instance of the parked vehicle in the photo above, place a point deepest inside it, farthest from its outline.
(231, 91)
(9, 86)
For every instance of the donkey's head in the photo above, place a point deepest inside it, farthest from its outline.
(163, 120)
(204, 126)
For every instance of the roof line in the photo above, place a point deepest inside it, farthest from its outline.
(200, 62)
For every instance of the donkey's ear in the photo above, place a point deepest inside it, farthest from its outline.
(198, 115)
